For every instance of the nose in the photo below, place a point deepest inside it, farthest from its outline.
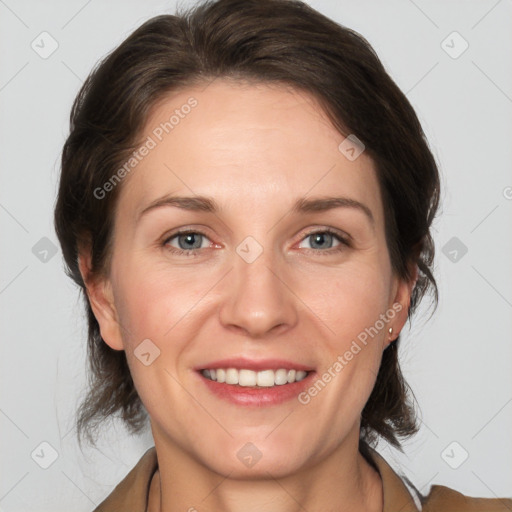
(258, 300)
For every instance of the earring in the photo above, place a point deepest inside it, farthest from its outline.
(390, 330)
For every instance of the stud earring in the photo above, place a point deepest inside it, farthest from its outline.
(390, 330)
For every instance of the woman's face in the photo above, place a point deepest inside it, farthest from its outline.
(268, 277)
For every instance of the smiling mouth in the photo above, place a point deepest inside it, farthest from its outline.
(249, 378)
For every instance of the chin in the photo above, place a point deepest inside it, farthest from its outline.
(259, 470)
(245, 460)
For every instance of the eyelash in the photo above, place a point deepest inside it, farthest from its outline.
(344, 243)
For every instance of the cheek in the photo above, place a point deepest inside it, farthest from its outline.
(152, 299)
(352, 307)
(348, 300)
(157, 304)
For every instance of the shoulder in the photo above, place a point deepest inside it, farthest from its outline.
(444, 499)
(400, 494)
(131, 494)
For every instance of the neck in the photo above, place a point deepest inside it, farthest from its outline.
(344, 481)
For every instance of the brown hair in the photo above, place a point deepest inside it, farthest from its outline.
(268, 41)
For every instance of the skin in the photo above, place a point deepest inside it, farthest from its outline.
(255, 149)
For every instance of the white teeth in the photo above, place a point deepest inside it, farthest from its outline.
(249, 378)
(281, 377)
(231, 376)
(300, 375)
(246, 378)
(265, 378)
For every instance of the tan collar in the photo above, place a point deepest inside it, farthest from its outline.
(131, 494)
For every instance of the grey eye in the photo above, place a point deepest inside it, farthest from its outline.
(186, 241)
(321, 240)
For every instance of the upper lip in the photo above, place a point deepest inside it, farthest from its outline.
(253, 364)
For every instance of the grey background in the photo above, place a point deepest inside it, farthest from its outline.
(458, 363)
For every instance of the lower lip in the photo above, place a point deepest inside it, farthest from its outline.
(257, 396)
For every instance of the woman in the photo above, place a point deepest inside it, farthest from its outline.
(246, 198)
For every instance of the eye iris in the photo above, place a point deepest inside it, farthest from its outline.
(191, 241)
(318, 239)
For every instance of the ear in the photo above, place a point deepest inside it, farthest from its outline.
(400, 304)
(101, 299)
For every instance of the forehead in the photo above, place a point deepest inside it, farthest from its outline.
(246, 144)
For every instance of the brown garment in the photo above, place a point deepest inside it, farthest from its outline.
(131, 494)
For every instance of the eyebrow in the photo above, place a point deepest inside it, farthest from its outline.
(302, 205)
